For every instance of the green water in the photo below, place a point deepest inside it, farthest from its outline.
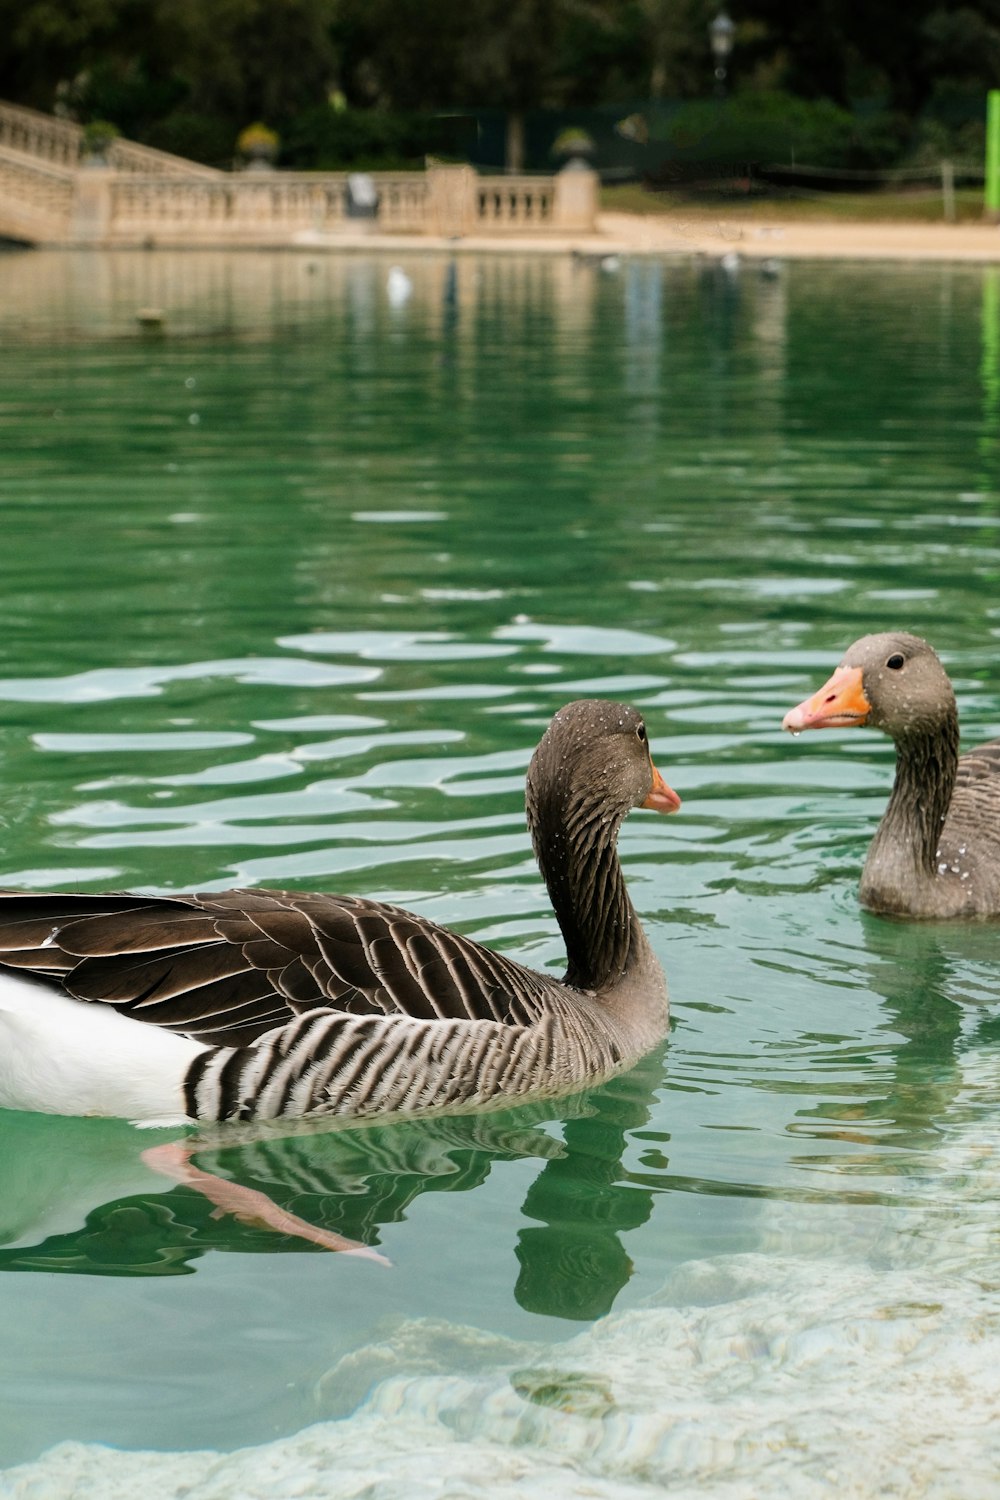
(287, 596)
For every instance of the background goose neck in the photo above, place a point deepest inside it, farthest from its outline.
(926, 768)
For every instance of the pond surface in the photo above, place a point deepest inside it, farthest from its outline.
(288, 593)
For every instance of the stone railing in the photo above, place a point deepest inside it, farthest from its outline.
(257, 209)
(462, 202)
(61, 142)
(143, 197)
(265, 208)
(281, 208)
(402, 202)
(504, 203)
(44, 136)
(36, 198)
(129, 156)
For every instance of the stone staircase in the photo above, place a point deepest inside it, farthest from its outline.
(41, 160)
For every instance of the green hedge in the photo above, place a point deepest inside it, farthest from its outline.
(775, 128)
(328, 139)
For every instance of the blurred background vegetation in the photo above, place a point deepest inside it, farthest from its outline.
(837, 85)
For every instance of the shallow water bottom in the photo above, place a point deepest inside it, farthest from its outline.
(796, 1369)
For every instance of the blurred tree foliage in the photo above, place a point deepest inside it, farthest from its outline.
(189, 74)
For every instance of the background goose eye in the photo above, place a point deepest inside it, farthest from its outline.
(896, 661)
(641, 733)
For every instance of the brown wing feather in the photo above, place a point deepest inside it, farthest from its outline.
(145, 930)
(974, 814)
(224, 967)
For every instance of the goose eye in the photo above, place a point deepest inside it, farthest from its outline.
(641, 734)
(896, 661)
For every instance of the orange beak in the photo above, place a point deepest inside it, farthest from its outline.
(662, 798)
(839, 704)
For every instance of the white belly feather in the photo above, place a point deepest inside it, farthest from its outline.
(77, 1057)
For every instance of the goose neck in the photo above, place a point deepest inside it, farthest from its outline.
(926, 768)
(579, 862)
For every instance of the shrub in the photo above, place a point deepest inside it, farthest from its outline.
(773, 128)
(204, 138)
(327, 139)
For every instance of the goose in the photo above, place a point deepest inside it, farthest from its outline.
(266, 1004)
(937, 849)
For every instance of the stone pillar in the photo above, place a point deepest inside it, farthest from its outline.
(90, 217)
(575, 201)
(451, 200)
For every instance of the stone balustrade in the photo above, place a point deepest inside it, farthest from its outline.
(61, 142)
(515, 202)
(261, 208)
(38, 135)
(402, 202)
(146, 197)
(282, 208)
(129, 156)
(461, 202)
(36, 198)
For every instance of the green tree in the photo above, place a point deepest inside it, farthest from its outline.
(514, 55)
(158, 68)
(250, 59)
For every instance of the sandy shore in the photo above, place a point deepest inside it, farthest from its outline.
(801, 241)
(677, 235)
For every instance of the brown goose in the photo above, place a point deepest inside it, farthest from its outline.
(264, 1004)
(937, 849)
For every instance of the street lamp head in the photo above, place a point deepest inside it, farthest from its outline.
(721, 32)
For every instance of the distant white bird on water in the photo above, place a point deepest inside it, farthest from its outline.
(399, 287)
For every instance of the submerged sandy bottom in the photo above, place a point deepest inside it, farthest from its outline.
(786, 1371)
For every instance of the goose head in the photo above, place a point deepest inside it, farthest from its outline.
(894, 682)
(591, 767)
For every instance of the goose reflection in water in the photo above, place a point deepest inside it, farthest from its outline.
(938, 980)
(938, 984)
(76, 1197)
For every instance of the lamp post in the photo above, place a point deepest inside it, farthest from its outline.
(721, 32)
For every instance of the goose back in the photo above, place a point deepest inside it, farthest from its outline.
(227, 967)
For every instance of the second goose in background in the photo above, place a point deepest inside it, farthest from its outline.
(937, 849)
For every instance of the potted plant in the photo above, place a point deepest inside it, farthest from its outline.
(573, 147)
(98, 138)
(257, 145)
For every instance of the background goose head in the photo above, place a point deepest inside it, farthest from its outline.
(894, 682)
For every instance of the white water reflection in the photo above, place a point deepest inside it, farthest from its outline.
(104, 683)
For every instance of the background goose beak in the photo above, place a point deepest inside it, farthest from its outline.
(662, 798)
(839, 704)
